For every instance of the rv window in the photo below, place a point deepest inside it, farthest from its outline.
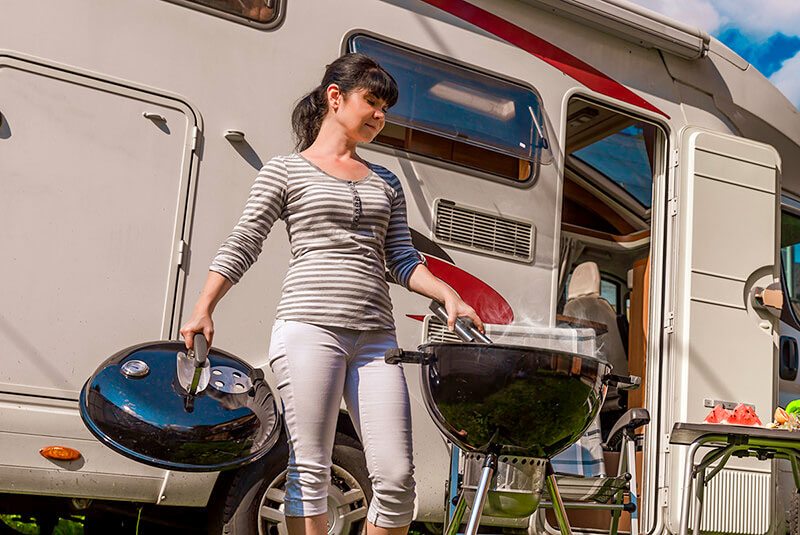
(790, 257)
(626, 158)
(261, 11)
(453, 113)
(610, 292)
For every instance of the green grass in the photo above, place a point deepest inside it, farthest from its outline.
(29, 526)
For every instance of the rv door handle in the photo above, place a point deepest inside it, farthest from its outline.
(769, 298)
(157, 117)
(788, 358)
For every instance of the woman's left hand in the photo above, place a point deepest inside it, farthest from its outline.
(457, 308)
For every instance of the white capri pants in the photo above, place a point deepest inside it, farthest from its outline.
(315, 366)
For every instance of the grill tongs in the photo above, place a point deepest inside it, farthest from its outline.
(463, 328)
(468, 333)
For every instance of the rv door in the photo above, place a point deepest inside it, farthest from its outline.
(722, 349)
(94, 187)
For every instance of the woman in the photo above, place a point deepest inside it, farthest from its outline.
(346, 220)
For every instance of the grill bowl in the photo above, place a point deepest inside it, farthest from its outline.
(513, 400)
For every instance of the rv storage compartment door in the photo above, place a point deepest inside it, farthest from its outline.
(92, 198)
(721, 348)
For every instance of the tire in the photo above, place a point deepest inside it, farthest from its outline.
(794, 514)
(249, 501)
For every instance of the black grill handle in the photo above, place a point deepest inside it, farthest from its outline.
(397, 355)
(622, 382)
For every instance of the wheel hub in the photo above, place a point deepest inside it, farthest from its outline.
(347, 505)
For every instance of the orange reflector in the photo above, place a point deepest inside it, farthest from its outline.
(60, 453)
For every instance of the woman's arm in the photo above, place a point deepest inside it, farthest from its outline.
(242, 247)
(407, 265)
(423, 282)
(216, 286)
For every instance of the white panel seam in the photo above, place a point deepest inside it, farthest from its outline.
(719, 303)
(732, 183)
(734, 157)
(719, 275)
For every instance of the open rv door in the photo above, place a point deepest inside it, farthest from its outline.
(720, 349)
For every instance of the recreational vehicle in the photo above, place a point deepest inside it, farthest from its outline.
(531, 137)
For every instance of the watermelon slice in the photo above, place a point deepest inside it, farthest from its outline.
(717, 416)
(743, 415)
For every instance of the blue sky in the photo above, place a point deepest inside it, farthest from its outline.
(765, 32)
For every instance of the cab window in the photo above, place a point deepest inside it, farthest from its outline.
(610, 290)
(457, 114)
(790, 257)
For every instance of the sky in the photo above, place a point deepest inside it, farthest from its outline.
(766, 33)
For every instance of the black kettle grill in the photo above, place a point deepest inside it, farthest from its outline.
(158, 405)
(523, 404)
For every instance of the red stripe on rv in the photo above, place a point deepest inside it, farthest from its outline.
(490, 305)
(547, 52)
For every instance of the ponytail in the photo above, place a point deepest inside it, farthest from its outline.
(350, 72)
(307, 117)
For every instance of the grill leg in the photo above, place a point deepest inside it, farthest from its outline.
(457, 516)
(489, 467)
(698, 502)
(558, 505)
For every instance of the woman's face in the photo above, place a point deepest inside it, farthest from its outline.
(361, 114)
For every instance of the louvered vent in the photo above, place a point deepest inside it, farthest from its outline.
(725, 508)
(436, 331)
(481, 231)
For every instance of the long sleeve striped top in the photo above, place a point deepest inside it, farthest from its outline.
(344, 235)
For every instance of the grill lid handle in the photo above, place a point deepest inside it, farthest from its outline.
(622, 382)
(397, 355)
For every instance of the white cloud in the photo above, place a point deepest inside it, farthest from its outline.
(787, 79)
(763, 18)
(760, 19)
(699, 13)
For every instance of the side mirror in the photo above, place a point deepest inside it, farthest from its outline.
(769, 298)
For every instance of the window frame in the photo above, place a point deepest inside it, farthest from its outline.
(605, 184)
(280, 13)
(619, 284)
(788, 314)
(449, 164)
(609, 278)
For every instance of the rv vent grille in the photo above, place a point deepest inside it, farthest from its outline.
(724, 511)
(436, 331)
(485, 232)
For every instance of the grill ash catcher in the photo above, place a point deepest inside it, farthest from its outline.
(510, 409)
(193, 411)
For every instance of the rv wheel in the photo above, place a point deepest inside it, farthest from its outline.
(250, 500)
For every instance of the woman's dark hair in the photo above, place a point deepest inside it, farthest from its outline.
(350, 72)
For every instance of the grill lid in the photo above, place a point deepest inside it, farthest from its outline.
(135, 404)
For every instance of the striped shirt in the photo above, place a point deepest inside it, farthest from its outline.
(344, 235)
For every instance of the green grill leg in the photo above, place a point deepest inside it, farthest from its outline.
(458, 515)
(558, 505)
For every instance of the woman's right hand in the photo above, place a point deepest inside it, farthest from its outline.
(200, 322)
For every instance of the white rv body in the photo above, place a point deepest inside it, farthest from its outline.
(118, 184)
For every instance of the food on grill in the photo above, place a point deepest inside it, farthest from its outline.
(718, 415)
(741, 415)
(785, 420)
(793, 407)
